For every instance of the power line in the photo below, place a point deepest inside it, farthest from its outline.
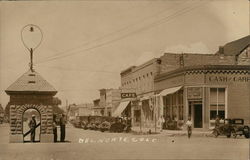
(126, 35)
(110, 34)
(78, 69)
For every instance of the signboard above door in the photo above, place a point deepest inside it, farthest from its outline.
(128, 95)
(194, 92)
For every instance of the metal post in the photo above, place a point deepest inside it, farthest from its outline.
(217, 96)
(141, 118)
(31, 59)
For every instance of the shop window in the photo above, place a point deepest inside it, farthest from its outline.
(147, 110)
(217, 105)
(174, 106)
(109, 114)
(137, 115)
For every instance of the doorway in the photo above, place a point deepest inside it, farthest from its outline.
(196, 113)
(27, 116)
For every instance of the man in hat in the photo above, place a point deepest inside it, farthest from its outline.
(32, 125)
(62, 127)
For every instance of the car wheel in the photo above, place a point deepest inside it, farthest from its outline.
(233, 133)
(246, 132)
(215, 133)
(229, 135)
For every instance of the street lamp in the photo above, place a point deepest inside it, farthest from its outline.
(31, 36)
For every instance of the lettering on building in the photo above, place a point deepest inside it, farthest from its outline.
(228, 79)
(128, 95)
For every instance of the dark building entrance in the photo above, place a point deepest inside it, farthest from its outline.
(26, 118)
(196, 113)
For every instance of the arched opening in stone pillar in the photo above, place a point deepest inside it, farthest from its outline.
(26, 118)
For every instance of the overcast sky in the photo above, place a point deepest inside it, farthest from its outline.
(87, 43)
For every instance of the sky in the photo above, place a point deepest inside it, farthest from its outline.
(86, 44)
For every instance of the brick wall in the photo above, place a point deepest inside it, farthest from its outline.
(171, 61)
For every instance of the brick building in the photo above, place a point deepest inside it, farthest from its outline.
(203, 86)
(84, 109)
(109, 100)
(140, 80)
(31, 91)
(97, 109)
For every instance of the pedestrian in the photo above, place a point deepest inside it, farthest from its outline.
(162, 122)
(217, 121)
(62, 127)
(32, 126)
(189, 126)
(54, 128)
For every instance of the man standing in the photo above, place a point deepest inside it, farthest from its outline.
(217, 121)
(32, 125)
(62, 127)
(189, 126)
(54, 128)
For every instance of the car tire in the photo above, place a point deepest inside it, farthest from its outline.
(233, 133)
(247, 134)
(215, 133)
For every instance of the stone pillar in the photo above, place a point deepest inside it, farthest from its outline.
(47, 125)
(15, 125)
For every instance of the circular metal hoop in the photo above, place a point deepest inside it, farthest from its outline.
(31, 27)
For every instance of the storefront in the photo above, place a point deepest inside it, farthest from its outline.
(202, 92)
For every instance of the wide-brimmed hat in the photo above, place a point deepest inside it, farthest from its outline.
(33, 115)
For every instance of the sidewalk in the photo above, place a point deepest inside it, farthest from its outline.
(195, 132)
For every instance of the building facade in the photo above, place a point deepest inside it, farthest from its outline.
(203, 86)
(109, 100)
(176, 86)
(139, 80)
(84, 109)
(97, 109)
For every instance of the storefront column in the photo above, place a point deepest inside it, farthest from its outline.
(185, 104)
(206, 108)
(132, 113)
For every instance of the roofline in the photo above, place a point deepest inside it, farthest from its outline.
(127, 69)
(201, 67)
(9, 92)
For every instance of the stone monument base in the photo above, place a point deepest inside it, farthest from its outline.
(18, 138)
(47, 138)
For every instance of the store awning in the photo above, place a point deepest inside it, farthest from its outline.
(169, 91)
(120, 108)
(144, 98)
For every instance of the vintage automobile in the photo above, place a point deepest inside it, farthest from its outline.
(117, 127)
(105, 126)
(239, 128)
(224, 129)
(232, 127)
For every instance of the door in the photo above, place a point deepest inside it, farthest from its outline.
(197, 115)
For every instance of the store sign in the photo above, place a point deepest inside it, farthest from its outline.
(229, 79)
(128, 95)
(194, 92)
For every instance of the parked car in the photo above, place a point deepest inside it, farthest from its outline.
(232, 127)
(224, 129)
(239, 128)
(118, 126)
(105, 126)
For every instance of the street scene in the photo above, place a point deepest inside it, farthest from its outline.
(160, 146)
(125, 80)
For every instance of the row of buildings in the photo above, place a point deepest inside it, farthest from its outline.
(176, 86)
